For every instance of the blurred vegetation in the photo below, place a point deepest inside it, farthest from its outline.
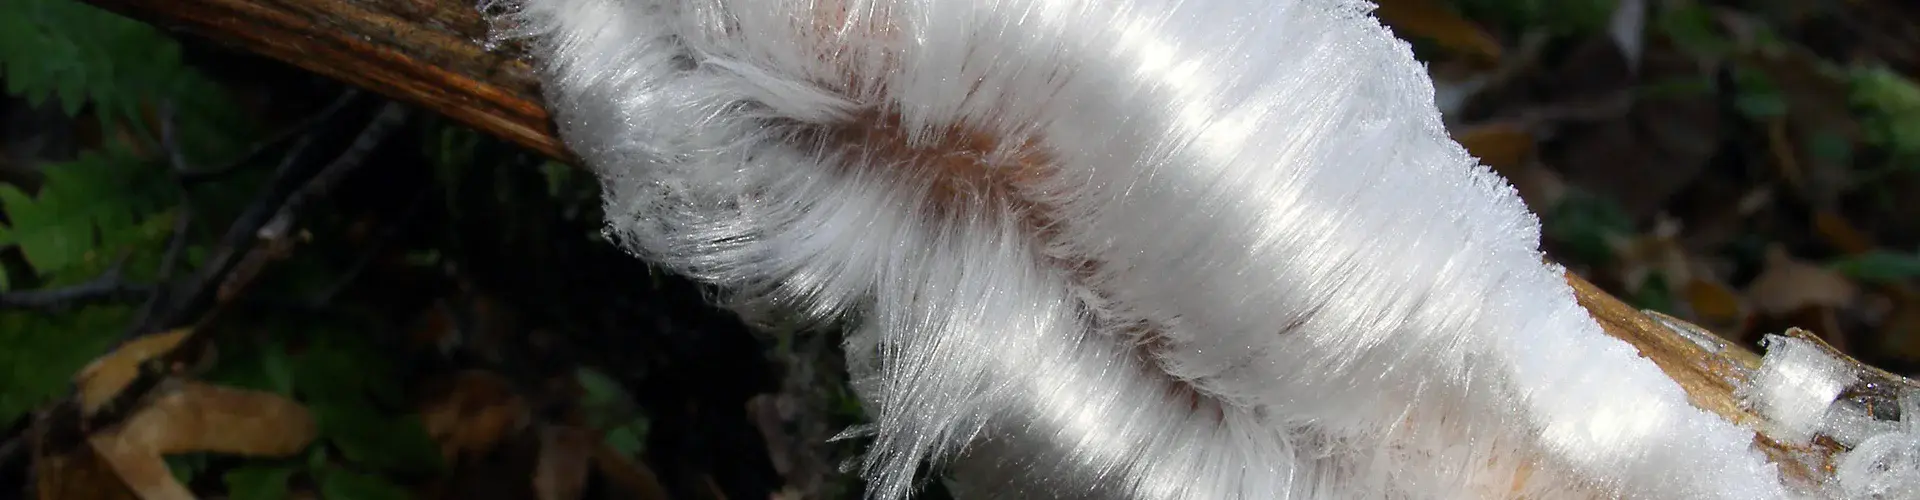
(387, 305)
(1745, 165)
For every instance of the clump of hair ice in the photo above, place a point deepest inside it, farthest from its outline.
(1205, 249)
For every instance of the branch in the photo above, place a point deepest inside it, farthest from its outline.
(423, 52)
(108, 287)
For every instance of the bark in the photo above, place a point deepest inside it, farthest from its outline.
(432, 53)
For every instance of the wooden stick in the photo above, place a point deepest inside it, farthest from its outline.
(425, 52)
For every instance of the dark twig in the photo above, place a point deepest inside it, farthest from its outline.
(233, 266)
(12, 447)
(169, 138)
(182, 225)
(169, 263)
(391, 116)
(259, 150)
(374, 249)
(277, 233)
(108, 287)
(184, 298)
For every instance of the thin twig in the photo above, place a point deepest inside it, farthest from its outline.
(241, 255)
(184, 298)
(169, 138)
(277, 233)
(13, 446)
(374, 249)
(259, 150)
(108, 287)
(169, 263)
(182, 226)
(383, 125)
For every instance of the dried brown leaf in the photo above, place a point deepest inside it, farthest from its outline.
(1714, 303)
(77, 475)
(143, 471)
(1657, 251)
(566, 456)
(187, 417)
(1841, 233)
(100, 381)
(473, 414)
(1788, 285)
(1502, 146)
(1432, 20)
(635, 478)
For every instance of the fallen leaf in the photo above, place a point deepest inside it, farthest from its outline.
(77, 475)
(1657, 252)
(566, 456)
(634, 477)
(1502, 146)
(1714, 304)
(1788, 284)
(473, 413)
(1840, 233)
(187, 417)
(1899, 334)
(1432, 20)
(145, 473)
(100, 381)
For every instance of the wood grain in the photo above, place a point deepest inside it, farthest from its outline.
(431, 53)
(426, 52)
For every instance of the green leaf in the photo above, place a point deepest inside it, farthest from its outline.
(186, 467)
(630, 439)
(1586, 224)
(82, 55)
(1693, 28)
(337, 369)
(262, 366)
(1654, 294)
(87, 211)
(1757, 96)
(1890, 105)
(340, 484)
(369, 439)
(39, 353)
(1880, 267)
(254, 482)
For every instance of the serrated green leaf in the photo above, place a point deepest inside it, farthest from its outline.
(254, 482)
(341, 484)
(40, 353)
(96, 205)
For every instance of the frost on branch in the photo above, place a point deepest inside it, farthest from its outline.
(1133, 249)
